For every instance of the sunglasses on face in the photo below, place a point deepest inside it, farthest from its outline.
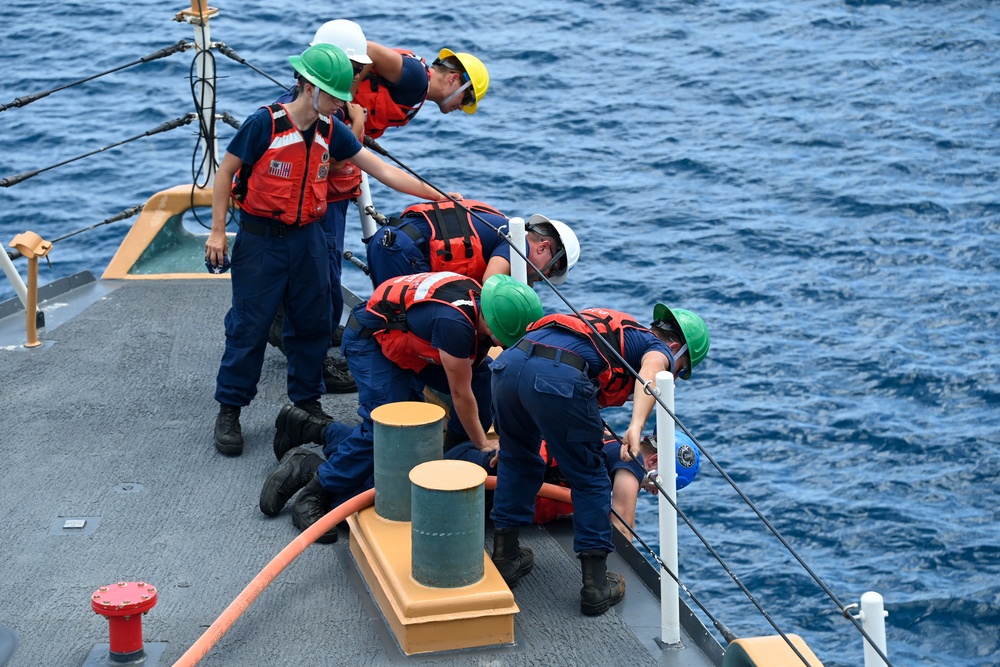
(470, 95)
(357, 68)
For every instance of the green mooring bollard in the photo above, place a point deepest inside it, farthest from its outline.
(406, 434)
(447, 526)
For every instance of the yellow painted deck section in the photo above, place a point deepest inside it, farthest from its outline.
(426, 619)
(158, 210)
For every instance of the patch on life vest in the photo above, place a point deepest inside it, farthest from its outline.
(323, 171)
(326, 156)
(280, 169)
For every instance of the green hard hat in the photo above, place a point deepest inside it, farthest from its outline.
(692, 327)
(328, 67)
(509, 307)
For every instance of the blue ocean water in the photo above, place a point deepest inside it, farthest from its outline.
(818, 180)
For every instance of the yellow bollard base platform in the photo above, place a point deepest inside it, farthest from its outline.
(426, 619)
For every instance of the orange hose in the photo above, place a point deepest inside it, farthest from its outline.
(214, 633)
(221, 626)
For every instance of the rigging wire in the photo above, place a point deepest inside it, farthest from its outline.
(163, 127)
(162, 53)
(726, 633)
(229, 53)
(372, 144)
(207, 132)
(127, 213)
(652, 475)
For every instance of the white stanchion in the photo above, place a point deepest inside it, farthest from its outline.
(206, 97)
(872, 617)
(14, 277)
(670, 623)
(363, 201)
(516, 234)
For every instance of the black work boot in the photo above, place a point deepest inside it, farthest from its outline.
(337, 336)
(296, 427)
(296, 469)
(337, 377)
(601, 588)
(511, 559)
(312, 505)
(313, 407)
(228, 434)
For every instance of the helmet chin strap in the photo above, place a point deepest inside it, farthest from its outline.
(461, 89)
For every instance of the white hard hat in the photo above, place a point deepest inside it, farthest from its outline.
(346, 35)
(570, 244)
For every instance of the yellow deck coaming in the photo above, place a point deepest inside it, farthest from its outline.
(160, 208)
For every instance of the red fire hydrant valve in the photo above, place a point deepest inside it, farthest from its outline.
(123, 604)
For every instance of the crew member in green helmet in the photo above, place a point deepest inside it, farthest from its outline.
(432, 329)
(280, 158)
(551, 385)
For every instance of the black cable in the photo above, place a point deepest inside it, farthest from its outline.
(162, 53)
(127, 213)
(169, 125)
(650, 475)
(726, 633)
(229, 53)
(370, 143)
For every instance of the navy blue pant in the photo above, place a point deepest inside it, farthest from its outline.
(535, 398)
(334, 225)
(293, 270)
(400, 258)
(350, 464)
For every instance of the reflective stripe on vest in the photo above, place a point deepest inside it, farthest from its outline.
(391, 300)
(289, 182)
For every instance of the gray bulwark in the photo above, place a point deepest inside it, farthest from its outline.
(122, 394)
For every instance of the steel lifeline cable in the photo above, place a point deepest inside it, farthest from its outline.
(372, 144)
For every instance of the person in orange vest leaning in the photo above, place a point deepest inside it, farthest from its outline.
(627, 477)
(280, 159)
(552, 385)
(432, 329)
(440, 236)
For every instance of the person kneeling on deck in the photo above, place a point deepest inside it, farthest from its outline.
(282, 154)
(440, 236)
(551, 385)
(628, 478)
(431, 329)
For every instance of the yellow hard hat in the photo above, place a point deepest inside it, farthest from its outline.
(477, 73)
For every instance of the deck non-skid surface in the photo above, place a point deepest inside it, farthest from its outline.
(112, 419)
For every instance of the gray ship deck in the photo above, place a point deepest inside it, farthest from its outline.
(111, 420)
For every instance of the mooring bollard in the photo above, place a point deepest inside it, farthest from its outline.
(406, 434)
(123, 604)
(447, 527)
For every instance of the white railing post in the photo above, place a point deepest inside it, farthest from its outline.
(670, 626)
(206, 95)
(872, 617)
(364, 200)
(14, 277)
(516, 234)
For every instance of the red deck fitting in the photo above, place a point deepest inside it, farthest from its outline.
(123, 604)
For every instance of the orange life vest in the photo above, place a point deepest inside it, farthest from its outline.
(455, 244)
(391, 300)
(547, 509)
(288, 182)
(344, 183)
(616, 382)
(383, 111)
